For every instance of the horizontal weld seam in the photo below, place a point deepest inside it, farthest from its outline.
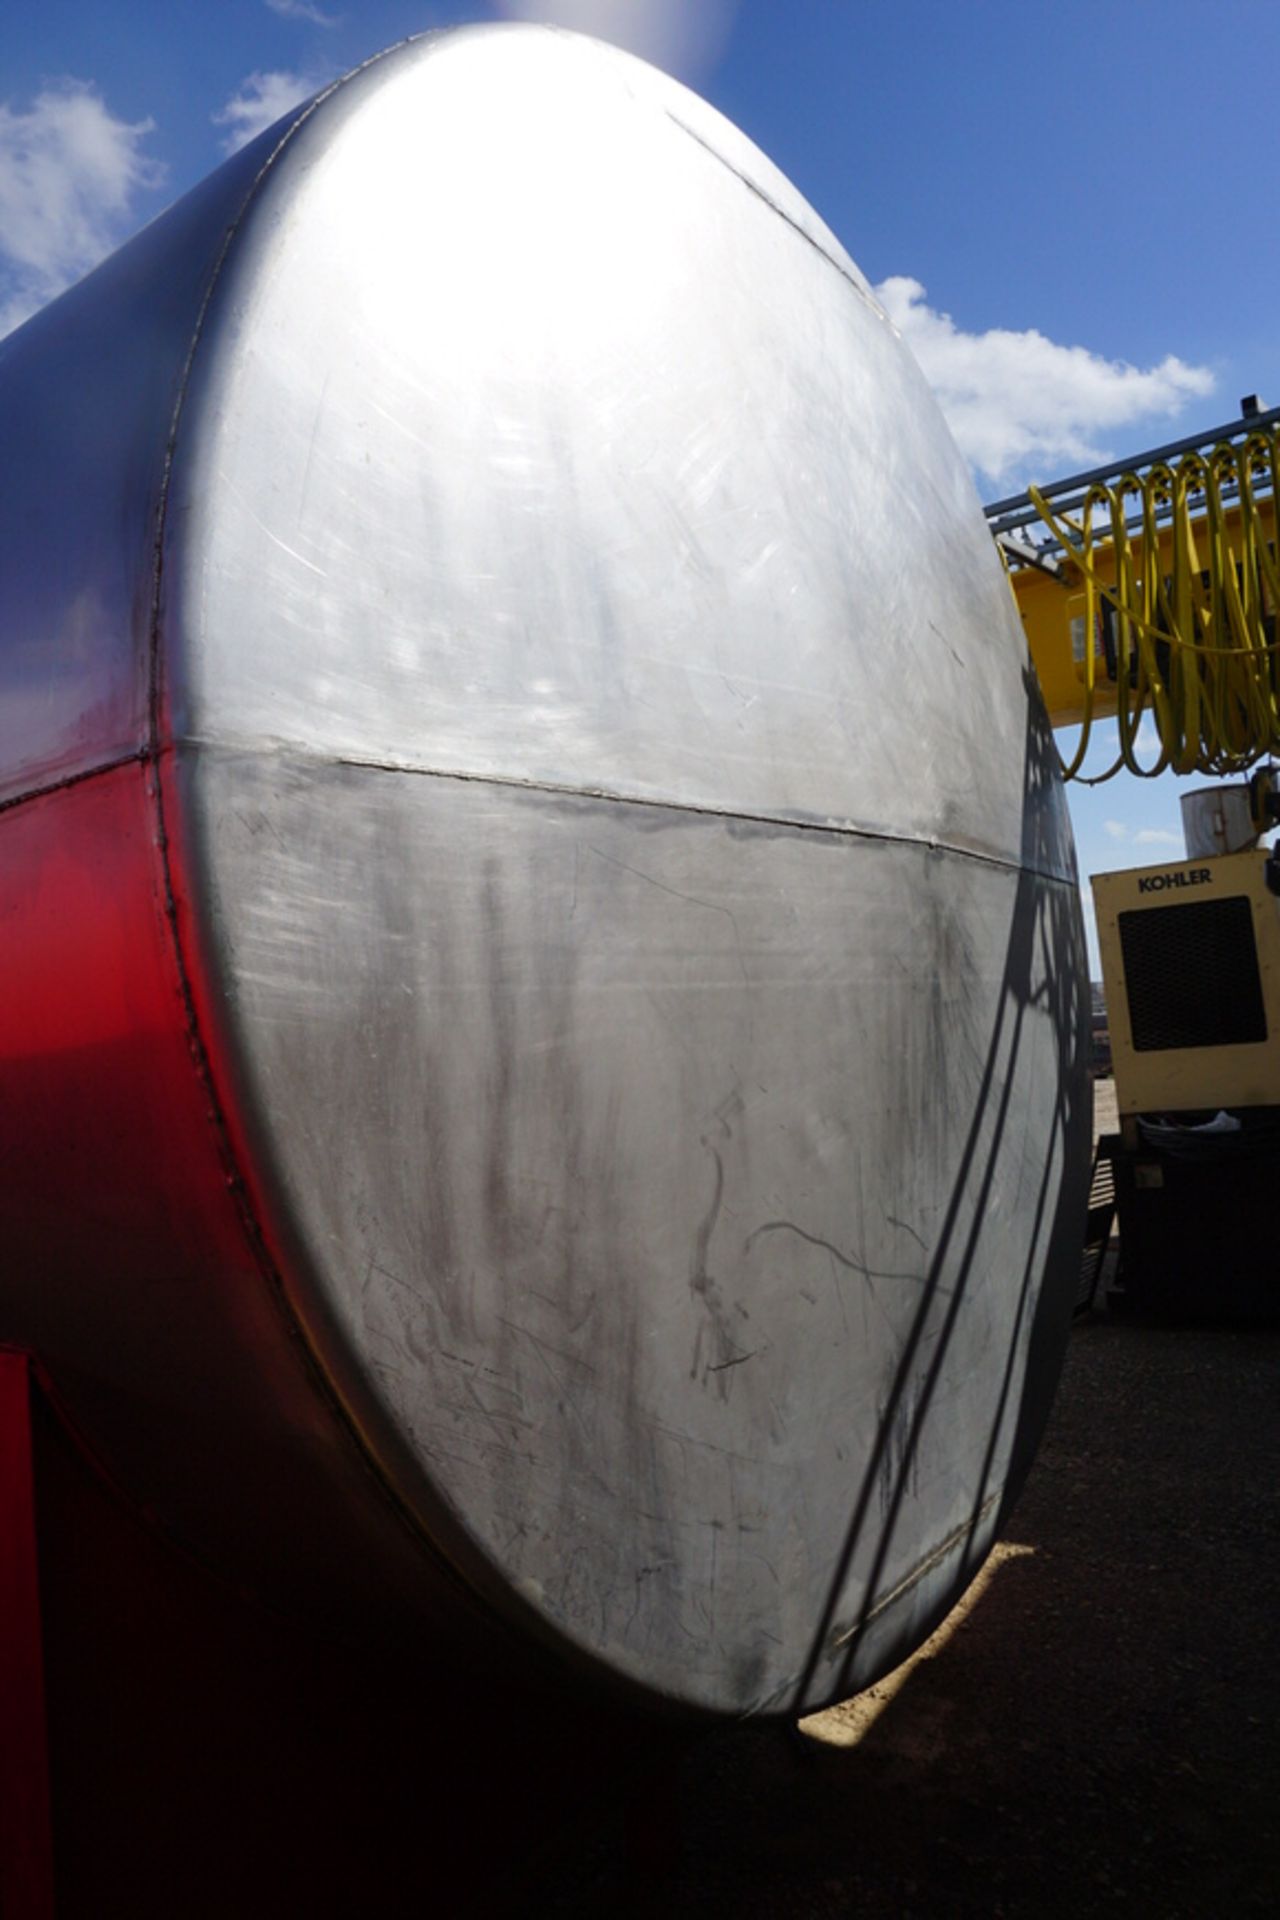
(763, 819)
(138, 757)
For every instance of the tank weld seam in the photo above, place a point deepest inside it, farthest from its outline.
(836, 828)
(753, 186)
(161, 744)
(139, 756)
(931, 1560)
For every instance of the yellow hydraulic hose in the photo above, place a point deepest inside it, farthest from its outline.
(1195, 595)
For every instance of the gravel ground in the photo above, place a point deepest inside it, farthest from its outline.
(1095, 1729)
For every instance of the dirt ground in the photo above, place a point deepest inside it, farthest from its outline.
(1096, 1728)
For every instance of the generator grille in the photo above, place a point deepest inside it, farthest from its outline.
(1191, 975)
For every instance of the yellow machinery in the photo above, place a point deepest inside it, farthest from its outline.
(1149, 591)
(1191, 965)
(1151, 588)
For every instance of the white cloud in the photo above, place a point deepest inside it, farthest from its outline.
(681, 37)
(1020, 401)
(258, 102)
(70, 174)
(303, 10)
(1144, 836)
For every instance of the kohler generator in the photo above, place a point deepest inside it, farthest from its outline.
(1191, 966)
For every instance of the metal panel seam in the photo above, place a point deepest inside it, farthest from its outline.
(931, 1560)
(138, 756)
(753, 186)
(845, 830)
(344, 1416)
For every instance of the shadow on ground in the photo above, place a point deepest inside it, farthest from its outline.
(1098, 1731)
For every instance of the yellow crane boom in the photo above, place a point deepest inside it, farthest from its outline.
(1152, 587)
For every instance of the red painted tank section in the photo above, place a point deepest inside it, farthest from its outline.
(201, 1398)
(209, 1758)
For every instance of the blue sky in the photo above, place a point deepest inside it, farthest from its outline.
(1070, 211)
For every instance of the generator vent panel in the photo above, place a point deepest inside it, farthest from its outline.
(1191, 975)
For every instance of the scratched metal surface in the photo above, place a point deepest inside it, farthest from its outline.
(540, 432)
(625, 909)
(669, 1177)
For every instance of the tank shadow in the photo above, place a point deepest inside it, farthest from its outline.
(1044, 972)
(1096, 1729)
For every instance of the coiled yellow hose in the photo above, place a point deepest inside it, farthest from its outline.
(1196, 640)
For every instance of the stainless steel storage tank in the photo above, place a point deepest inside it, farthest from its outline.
(543, 1031)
